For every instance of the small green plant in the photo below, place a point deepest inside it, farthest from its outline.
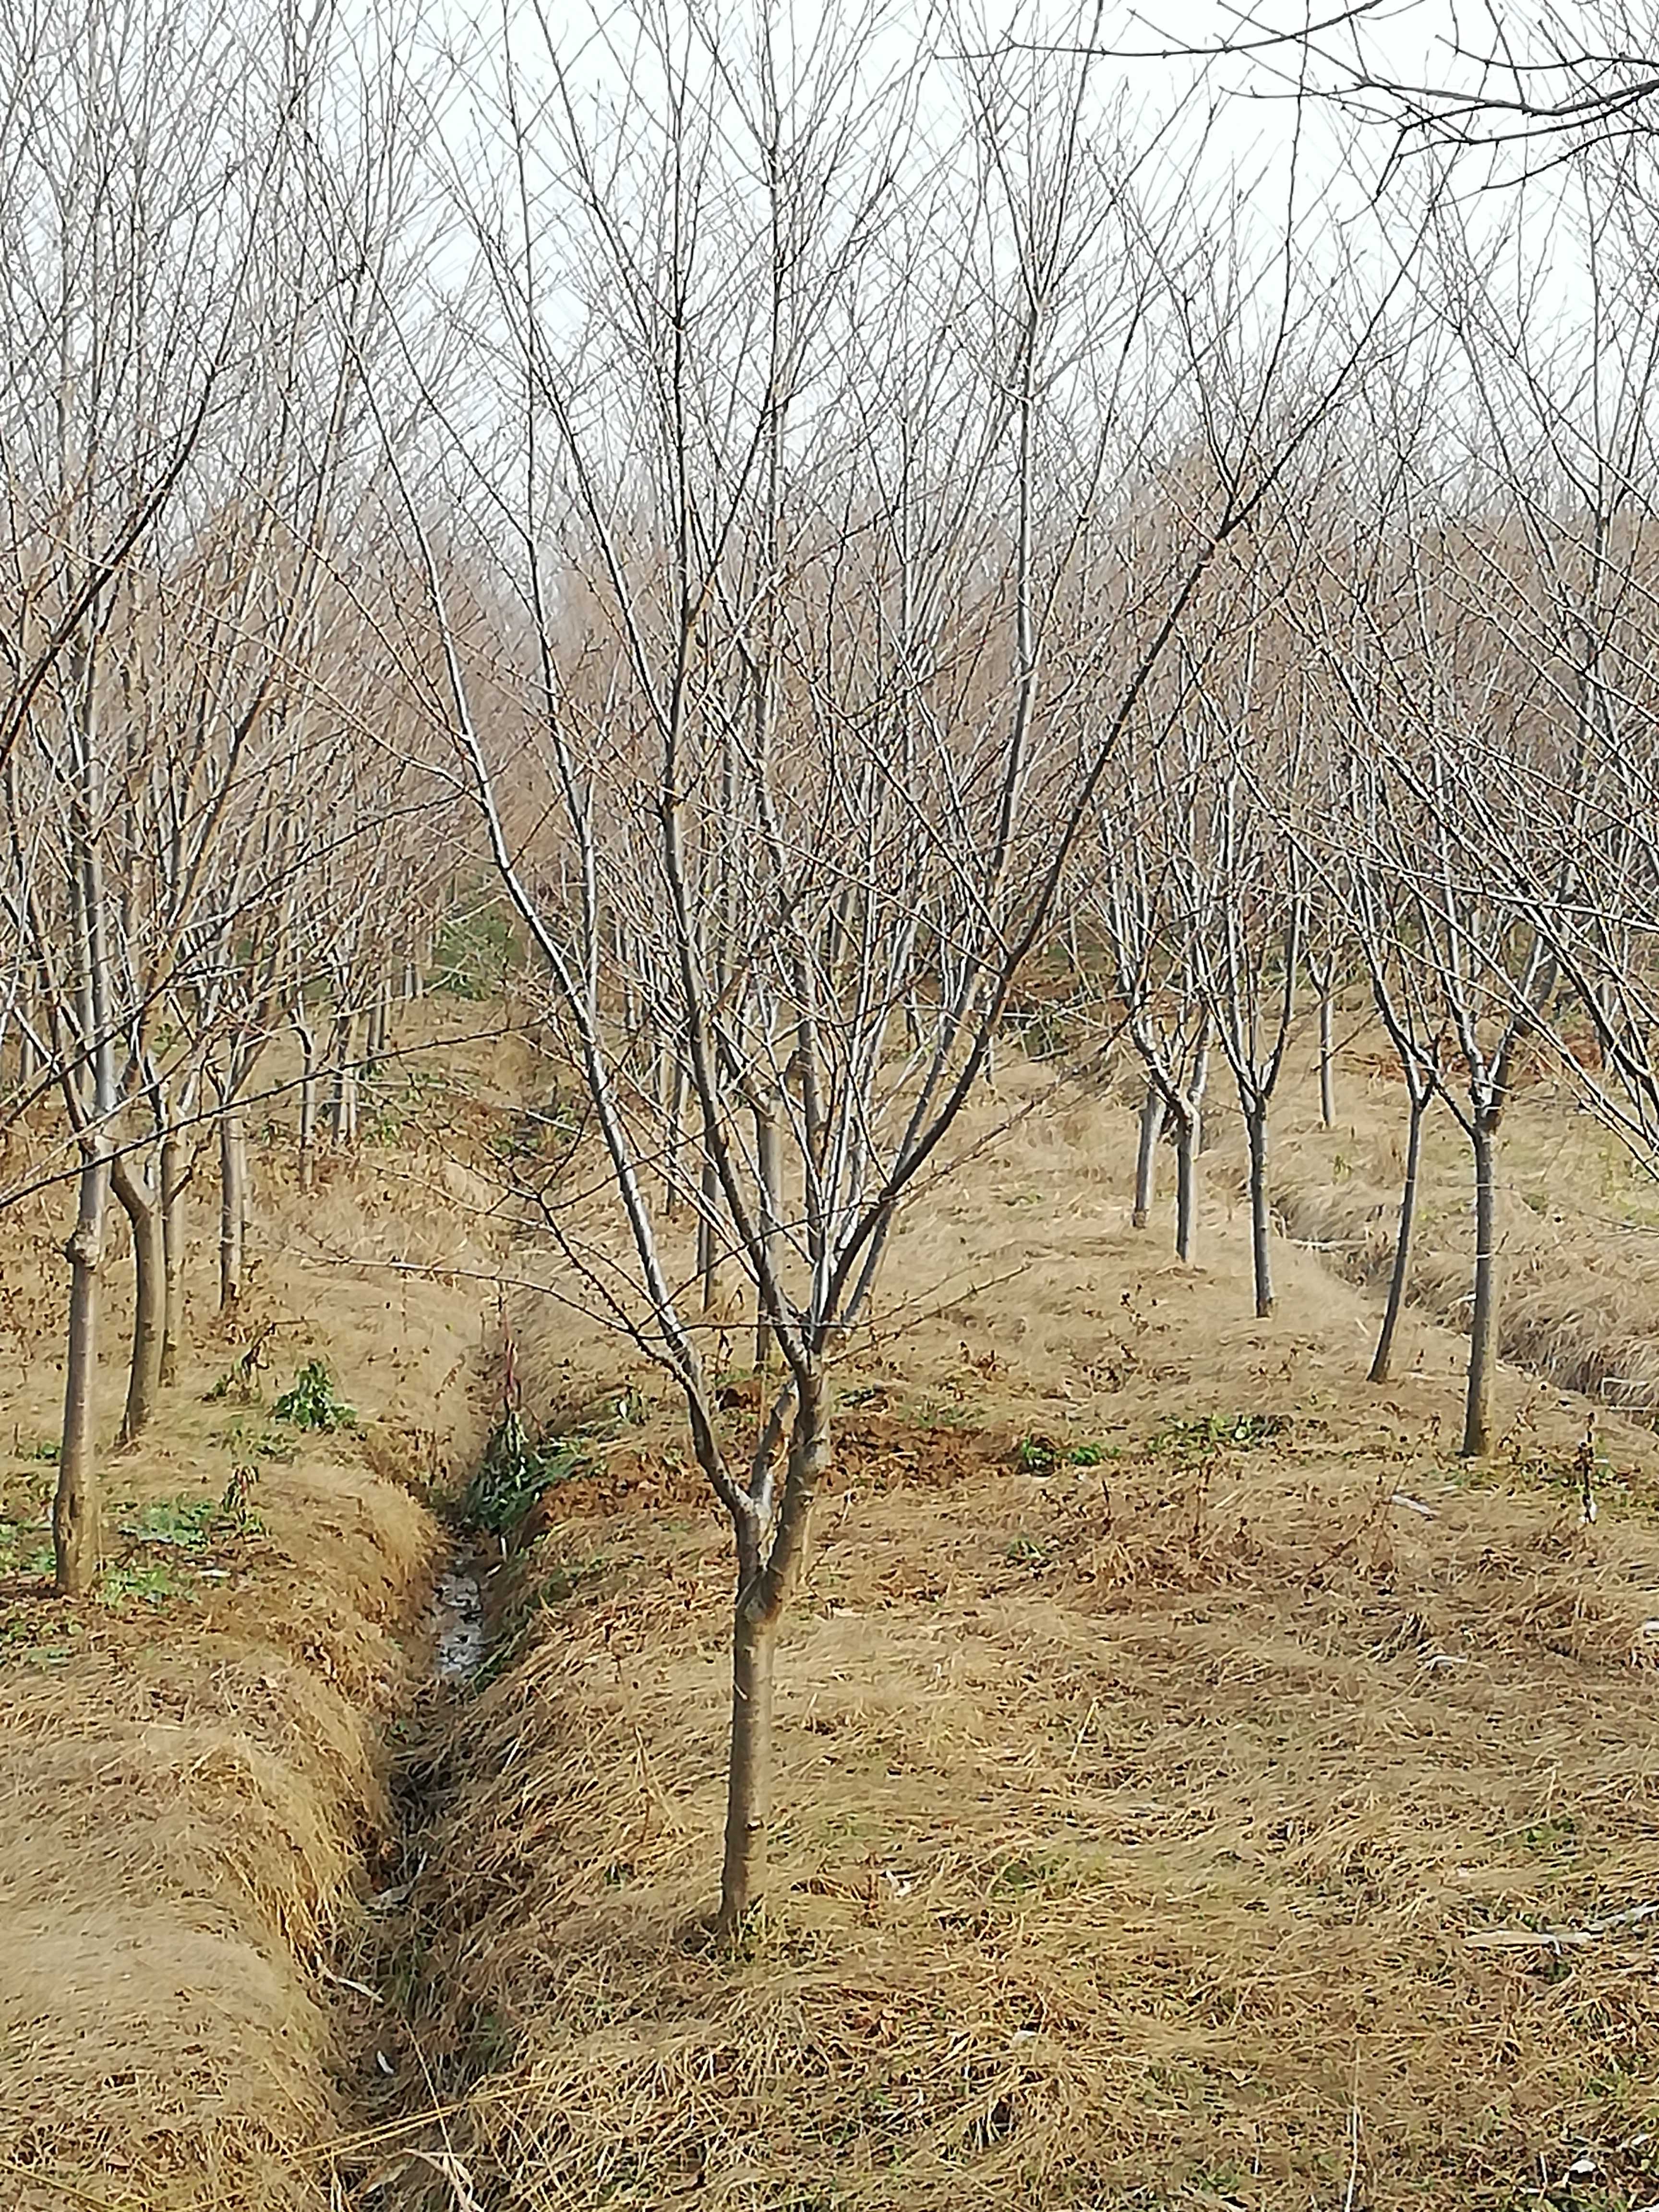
(312, 1402)
(1212, 1431)
(1041, 1454)
(185, 1523)
(515, 1469)
(145, 1581)
(23, 1550)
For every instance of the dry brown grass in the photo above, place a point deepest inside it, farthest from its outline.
(1580, 1223)
(190, 1774)
(1175, 1829)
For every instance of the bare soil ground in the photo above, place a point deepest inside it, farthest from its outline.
(1195, 1785)
(192, 1766)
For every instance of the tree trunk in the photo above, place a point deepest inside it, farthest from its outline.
(1477, 1415)
(175, 1176)
(1402, 1244)
(762, 1595)
(1262, 1263)
(1326, 1060)
(708, 1243)
(144, 1219)
(379, 1025)
(308, 1037)
(342, 1105)
(75, 1533)
(233, 1206)
(1189, 1133)
(1153, 1113)
(749, 1772)
(679, 1083)
(769, 1152)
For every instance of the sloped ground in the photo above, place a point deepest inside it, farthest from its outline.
(191, 1765)
(1579, 1218)
(1194, 1786)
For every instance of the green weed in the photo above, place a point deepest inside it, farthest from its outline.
(1209, 1432)
(312, 1402)
(187, 1523)
(1041, 1454)
(515, 1469)
(146, 1581)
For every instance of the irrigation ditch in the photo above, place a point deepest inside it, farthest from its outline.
(396, 2093)
(398, 2089)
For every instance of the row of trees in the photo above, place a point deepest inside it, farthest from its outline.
(217, 805)
(834, 520)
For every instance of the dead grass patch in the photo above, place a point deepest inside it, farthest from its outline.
(1183, 1822)
(191, 1772)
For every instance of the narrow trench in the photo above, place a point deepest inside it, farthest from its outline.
(391, 2153)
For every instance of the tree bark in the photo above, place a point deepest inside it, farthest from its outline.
(149, 1270)
(233, 1206)
(763, 1591)
(1382, 1362)
(769, 1152)
(749, 1771)
(174, 1178)
(1326, 1060)
(75, 1518)
(308, 1037)
(342, 1105)
(1255, 1127)
(679, 1084)
(709, 1266)
(1478, 1414)
(1189, 1133)
(1153, 1113)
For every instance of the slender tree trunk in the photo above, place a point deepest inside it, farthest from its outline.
(762, 1595)
(679, 1083)
(76, 1533)
(769, 1152)
(1152, 1113)
(144, 1219)
(233, 1206)
(175, 1176)
(707, 1237)
(375, 1038)
(1189, 1138)
(749, 1772)
(1478, 1416)
(1381, 1363)
(1262, 1264)
(1326, 1060)
(343, 1104)
(308, 1037)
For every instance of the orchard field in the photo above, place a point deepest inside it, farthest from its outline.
(829, 1116)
